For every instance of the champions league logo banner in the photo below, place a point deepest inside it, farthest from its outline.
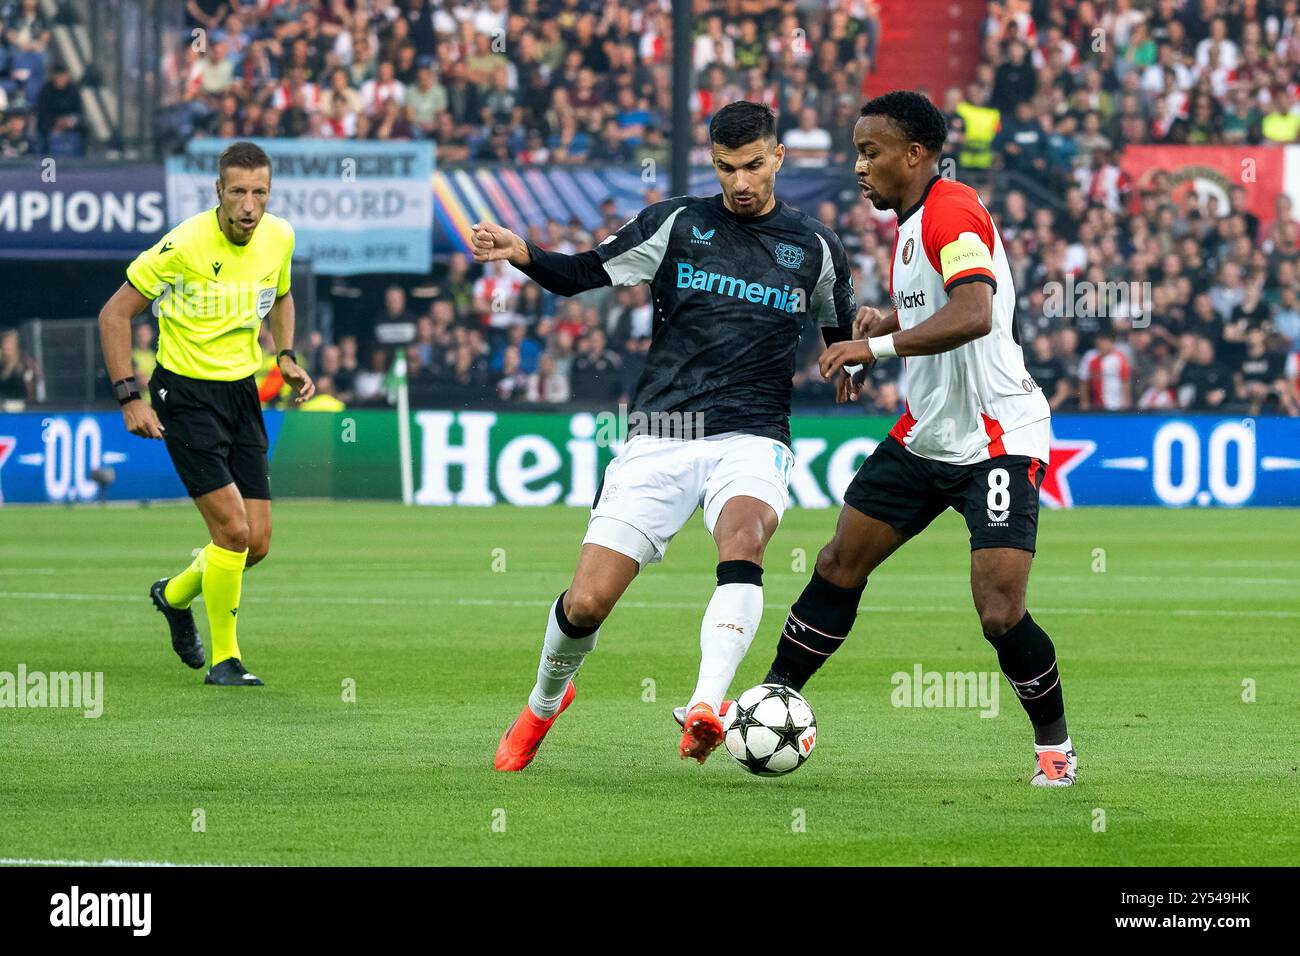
(80, 210)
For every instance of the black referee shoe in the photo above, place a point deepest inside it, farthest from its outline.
(185, 636)
(231, 673)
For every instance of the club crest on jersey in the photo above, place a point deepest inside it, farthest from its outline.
(701, 238)
(789, 256)
(908, 248)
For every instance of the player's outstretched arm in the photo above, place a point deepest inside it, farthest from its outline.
(115, 339)
(553, 271)
(967, 316)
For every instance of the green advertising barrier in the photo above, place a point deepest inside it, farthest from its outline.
(482, 458)
(336, 455)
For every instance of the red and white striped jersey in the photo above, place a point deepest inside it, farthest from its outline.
(1104, 377)
(976, 401)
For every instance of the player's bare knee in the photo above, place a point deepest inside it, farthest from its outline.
(743, 545)
(586, 607)
(257, 551)
(233, 534)
(836, 567)
(999, 614)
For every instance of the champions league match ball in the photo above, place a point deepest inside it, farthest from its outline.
(770, 730)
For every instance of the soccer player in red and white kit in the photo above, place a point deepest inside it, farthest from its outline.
(975, 434)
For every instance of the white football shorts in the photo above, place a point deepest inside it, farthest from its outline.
(651, 489)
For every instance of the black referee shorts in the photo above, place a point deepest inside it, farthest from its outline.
(998, 497)
(214, 432)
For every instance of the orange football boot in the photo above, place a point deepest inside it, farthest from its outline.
(1055, 768)
(701, 733)
(519, 743)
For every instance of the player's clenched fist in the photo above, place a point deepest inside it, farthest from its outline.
(492, 242)
(874, 322)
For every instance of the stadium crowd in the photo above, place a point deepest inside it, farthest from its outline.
(1180, 305)
(40, 106)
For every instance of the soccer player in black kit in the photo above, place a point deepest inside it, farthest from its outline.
(731, 277)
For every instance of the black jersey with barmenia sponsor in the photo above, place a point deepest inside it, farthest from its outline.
(730, 293)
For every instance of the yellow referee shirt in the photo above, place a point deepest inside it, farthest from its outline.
(212, 295)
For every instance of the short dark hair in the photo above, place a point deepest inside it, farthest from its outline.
(742, 122)
(913, 113)
(242, 155)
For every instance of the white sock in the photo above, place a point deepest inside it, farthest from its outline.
(730, 622)
(561, 657)
(1063, 747)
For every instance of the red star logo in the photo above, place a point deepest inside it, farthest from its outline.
(7, 444)
(1066, 455)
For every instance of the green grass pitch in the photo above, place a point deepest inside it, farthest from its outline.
(440, 632)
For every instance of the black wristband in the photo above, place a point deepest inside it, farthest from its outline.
(124, 390)
(289, 352)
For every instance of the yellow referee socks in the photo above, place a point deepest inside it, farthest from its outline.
(223, 579)
(185, 587)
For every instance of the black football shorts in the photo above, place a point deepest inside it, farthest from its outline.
(214, 432)
(998, 497)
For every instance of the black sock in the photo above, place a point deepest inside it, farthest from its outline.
(567, 627)
(1028, 659)
(815, 627)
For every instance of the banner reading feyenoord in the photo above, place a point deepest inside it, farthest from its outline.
(355, 207)
(1262, 171)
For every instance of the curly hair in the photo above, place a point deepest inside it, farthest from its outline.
(914, 114)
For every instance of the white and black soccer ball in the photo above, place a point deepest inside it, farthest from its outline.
(770, 730)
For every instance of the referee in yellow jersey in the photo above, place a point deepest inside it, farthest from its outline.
(212, 279)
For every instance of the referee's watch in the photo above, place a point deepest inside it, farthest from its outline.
(289, 352)
(125, 390)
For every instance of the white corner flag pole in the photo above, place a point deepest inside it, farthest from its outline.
(404, 429)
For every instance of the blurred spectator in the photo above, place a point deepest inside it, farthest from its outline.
(595, 374)
(58, 111)
(547, 384)
(1049, 372)
(19, 375)
(144, 357)
(370, 385)
(1203, 383)
(1105, 376)
(1261, 377)
(14, 143)
(345, 377)
(396, 324)
(808, 144)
